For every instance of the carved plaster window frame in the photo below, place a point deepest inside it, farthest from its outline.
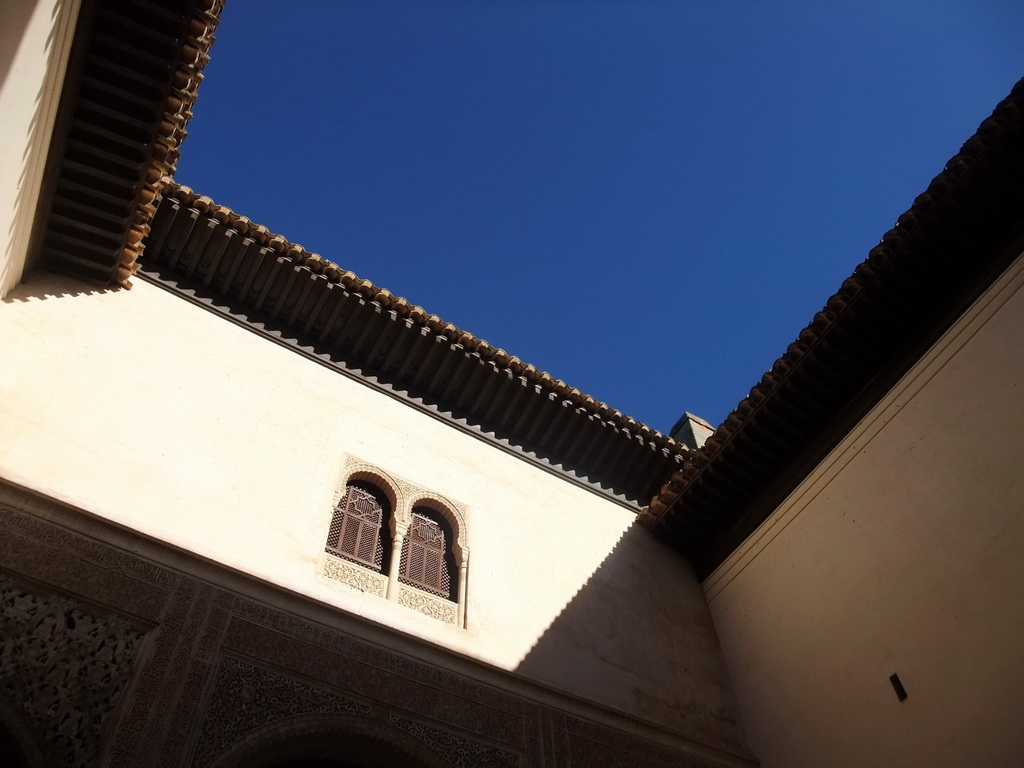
(403, 496)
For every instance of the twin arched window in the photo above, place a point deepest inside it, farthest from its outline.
(362, 530)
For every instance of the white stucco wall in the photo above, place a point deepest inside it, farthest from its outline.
(152, 412)
(35, 40)
(902, 553)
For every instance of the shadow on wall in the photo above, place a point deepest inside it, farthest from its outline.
(14, 20)
(42, 284)
(638, 637)
(25, 154)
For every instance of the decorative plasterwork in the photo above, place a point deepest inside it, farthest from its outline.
(452, 510)
(65, 667)
(459, 751)
(427, 604)
(263, 669)
(356, 469)
(354, 576)
(247, 697)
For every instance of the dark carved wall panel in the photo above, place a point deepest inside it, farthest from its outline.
(118, 661)
(81, 566)
(247, 698)
(148, 692)
(395, 680)
(64, 668)
(590, 744)
(458, 750)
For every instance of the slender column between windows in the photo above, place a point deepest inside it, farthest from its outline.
(396, 561)
(463, 569)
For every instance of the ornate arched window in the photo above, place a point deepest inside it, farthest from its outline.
(359, 527)
(427, 559)
(401, 542)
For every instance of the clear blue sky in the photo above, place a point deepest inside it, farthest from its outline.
(648, 200)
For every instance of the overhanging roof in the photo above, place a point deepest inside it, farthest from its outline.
(133, 75)
(212, 255)
(955, 240)
(132, 79)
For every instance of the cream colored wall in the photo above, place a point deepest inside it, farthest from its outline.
(35, 40)
(145, 409)
(902, 553)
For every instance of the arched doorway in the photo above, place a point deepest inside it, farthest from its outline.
(317, 741)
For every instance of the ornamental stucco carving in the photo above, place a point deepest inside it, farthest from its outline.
(408, 492)
(26, 525)
(65, 668)
(247, 697)
(458, 750)
(455, 512)
(353, 576)
(202, 665)
(362, 660)
(392, 486)
(434, 607)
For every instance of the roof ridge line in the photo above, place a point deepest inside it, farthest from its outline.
(940, 188)
(348, 279)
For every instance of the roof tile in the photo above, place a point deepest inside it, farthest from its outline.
(387, 300)
(866, 273)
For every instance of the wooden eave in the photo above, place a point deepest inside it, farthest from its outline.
(224, 262)
(134, 70)
(955, 240)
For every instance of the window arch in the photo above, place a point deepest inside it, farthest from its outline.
(359, 529)
(401, 542)
(428, 561)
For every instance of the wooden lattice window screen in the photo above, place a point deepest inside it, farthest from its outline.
(426, 561)
(355, 528)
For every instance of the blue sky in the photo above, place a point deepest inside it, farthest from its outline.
(648, 200)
